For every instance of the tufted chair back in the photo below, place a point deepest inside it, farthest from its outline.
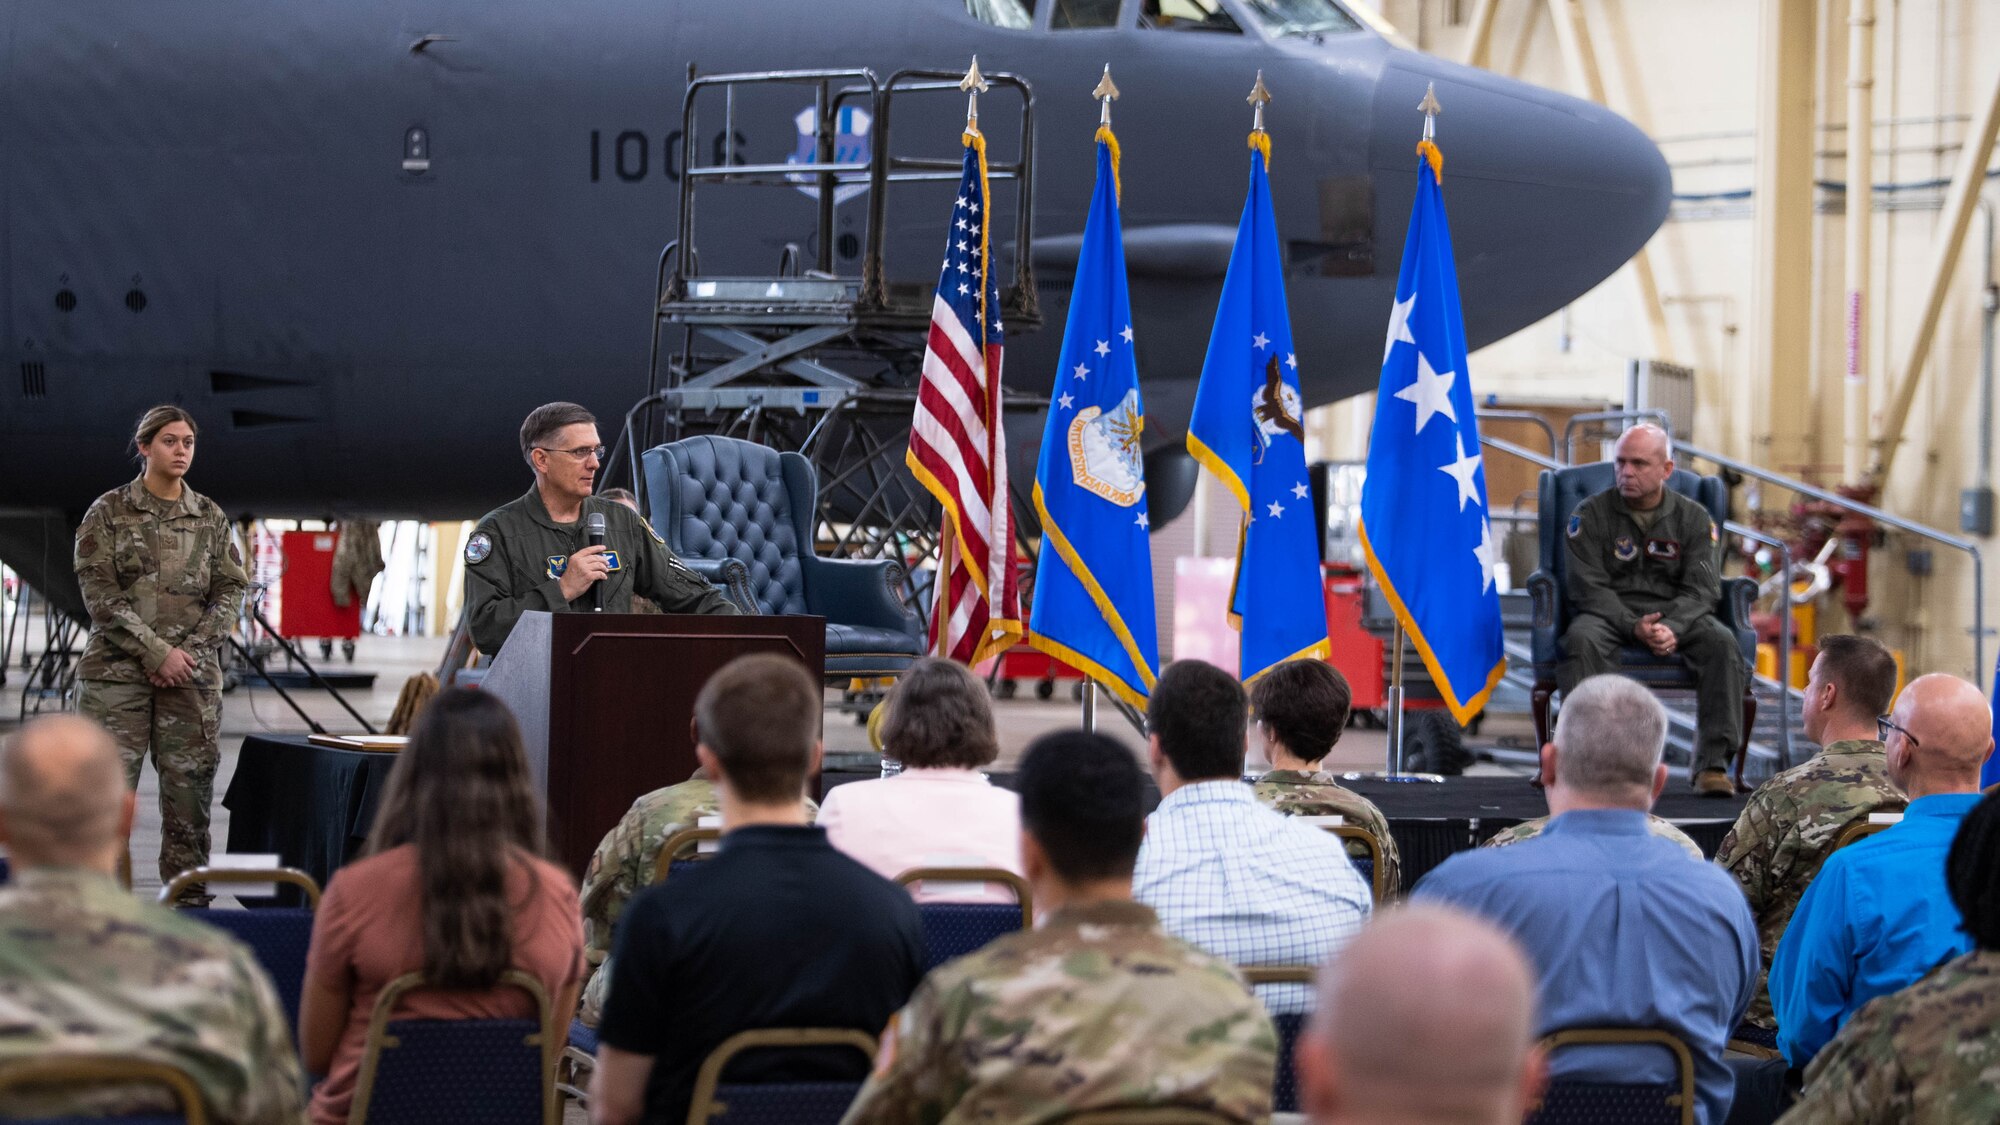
(716, 498)
(1560, 493)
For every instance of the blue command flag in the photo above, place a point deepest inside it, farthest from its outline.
(1248, 429)
(1094, 580)
(1989, 774)
(1423, 506)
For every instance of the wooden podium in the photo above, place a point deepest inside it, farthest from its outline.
(606, 701)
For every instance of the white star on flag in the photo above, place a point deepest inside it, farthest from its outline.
(1103, 347)
(1082, 371)
(1065, 401)
(1127, 333)
(1277, 509)
(961, 224)
(1462, 471)
(961, 201)
(1292, 360)
(1431, 393)
(1299, 490)
(962, 267)
(1484, 553)
(1261, 340)
(963, 288)
(1399, 326)
(1142, 521)
(961, 247)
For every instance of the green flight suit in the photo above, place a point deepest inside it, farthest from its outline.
(515, 556)
(1623, 566)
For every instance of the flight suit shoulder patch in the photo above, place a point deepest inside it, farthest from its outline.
(648, 525)
(1575, 524)
(478, 548)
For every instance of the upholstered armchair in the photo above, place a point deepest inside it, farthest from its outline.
(741, 515)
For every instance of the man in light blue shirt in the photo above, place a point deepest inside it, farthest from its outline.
(1878, 916)
(1225, 873)
(1625, 929)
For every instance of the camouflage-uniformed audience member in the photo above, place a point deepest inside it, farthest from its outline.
(88, 969)
(1301, 708)
(1788, 827)
(1927, 1055)
(623, 865)
(531, 553)
(1097, 1007)
(1645, 568)
(357, 559)
(1529, 829)
(163, 580)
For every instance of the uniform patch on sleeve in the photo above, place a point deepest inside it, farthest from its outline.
(478, 547)
(1575, 525)
(648, 525)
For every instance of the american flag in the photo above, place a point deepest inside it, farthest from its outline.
(956, 440)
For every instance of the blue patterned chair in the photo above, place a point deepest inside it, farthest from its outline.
(1619, 1103)
(1285, 1086)
(954, 929)
(720, 501)
(775, 1103)
(1560, 491)
(458, 1072)
(279, 936)
(71, 1072)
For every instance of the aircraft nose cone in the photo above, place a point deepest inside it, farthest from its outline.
(1547, 194)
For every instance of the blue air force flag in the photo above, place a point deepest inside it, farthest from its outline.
(1423, 506)
(1248, 429)
(1094, 580)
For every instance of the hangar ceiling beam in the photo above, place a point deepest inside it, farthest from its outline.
(1781, 306)
(1479, 40)
(1860, 223)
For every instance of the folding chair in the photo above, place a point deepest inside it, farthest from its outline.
(68, 1072)
(1627, 1103)
(279, 936)
(1854, 833)
(1371, 868)
(775, 1103)
(1285, 1089)
(689, 841)
(458, 1072)
(1148, 1115)
(954, 929)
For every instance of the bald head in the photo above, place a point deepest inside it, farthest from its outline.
(1950, 725)
(1644, 457)
(1426, 1017)
(63, 801)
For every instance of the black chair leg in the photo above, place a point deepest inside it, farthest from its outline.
(1538, 702)
(1749, 724)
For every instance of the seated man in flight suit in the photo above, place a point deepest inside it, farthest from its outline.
(531, 553)
(1645, 566)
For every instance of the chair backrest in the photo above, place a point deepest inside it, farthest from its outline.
(1637, 1103)
(1854, 833)
(1285, 1086)
(681, 849)
(775, 1103)
(291, 876)
(71, 1072)
(1148, 1115)
(1561, 490)
(448, 1072)
(721, 497)
(279, 937)
(954, 929)
(1372, 870)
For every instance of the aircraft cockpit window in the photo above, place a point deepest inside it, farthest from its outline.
(1301, 17)
(1084, 13)
(1187, 15)
(1014, 15)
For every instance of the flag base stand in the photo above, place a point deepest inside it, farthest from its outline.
(1394, 705)
(1090, 706)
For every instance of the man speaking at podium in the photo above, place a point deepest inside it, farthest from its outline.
(534, 552)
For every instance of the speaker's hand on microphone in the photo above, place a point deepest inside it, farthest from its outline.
(586, 568)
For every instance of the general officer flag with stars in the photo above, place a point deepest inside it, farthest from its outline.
(1094, 580)
(1423, 506)
(1248, 429)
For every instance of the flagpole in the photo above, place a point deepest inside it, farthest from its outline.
(1105, 93)
(1395, 700)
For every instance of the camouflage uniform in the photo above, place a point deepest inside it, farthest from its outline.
(622, 866)
(1927, 1054)
(1623, 566)
(159, 575)
(1096, 1008)
(1787, 830)
(357, 559)
(512, 562)
(1529, 829)
(87, 969)
(1298, 793)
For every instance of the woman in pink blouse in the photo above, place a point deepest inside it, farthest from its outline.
(454, 886)
(940, 811)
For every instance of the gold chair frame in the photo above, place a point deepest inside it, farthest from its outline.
(1377, 890)
(548, 1039)
(703, 1105)
(1628, 1036)
(288, 875)
(1023, 894)
(69, 1070)
(678, 842)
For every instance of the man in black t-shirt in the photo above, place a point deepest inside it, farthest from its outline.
(778, 930)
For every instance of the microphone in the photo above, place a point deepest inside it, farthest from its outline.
(593, 530)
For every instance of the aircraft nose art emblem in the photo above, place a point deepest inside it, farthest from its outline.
(850, 146)
(1104, 451)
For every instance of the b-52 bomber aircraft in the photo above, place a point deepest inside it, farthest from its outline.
(361, 240)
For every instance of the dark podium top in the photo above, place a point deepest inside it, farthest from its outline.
(605, 702)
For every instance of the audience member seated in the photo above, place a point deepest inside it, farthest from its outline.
(86, 968)
(453, 885)
(1623, 928)
(623, 865)
(780, 929)
(1878, 916)
(1658, 826)
(1096, 1008)
(1424, 1020)
(1301, 708)
(1788, 827)
(1930, 1053)
(940, 811)
(1251, 886)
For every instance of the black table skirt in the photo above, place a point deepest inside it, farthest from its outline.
(311, 805)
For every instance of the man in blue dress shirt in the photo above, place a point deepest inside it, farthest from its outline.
(1877, 916)
(1625, 930)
